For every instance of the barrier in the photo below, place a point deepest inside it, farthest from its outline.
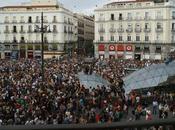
(167, 124)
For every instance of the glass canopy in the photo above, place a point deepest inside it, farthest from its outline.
(149, 76)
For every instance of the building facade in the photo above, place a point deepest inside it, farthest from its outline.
(85, 32)
(20, 28)
(140, 29)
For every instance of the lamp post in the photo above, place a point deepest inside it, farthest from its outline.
(42, 30)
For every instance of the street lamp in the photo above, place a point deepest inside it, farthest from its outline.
(42, 30)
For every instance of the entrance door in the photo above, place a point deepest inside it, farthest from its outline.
(111, 56)
(101, 57)
(137, 56)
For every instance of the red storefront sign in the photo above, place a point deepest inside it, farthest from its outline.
(120, 48)
(101, 47)
(111, 48)
(128, 47)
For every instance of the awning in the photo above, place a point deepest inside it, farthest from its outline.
(101, 47)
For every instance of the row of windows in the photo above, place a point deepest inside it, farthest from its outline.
(37, 19)
(138, 15)
(37, 28)
(137, 25)
(130, 38)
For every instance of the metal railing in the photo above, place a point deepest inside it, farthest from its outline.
(167, 124)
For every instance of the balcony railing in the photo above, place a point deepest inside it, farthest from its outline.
(22, 31)
(102, 30)
(101, 19)
(159, 17)
(6, 21)
(129, 30)
(54, 21)
(6, 31)
(159, 29)
(22, 41)
(14, 31)
(55, 31)
(45, 21)
(112, 30)
(14, 21)
(120, 30)
(147, 30)
(168, 124)
(37, 21)
(22, 21)
(29, 31)
(173, 30)
(147, 18)
(138, 30)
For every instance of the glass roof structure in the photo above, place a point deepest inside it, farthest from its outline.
(92, 80)
(150, 76)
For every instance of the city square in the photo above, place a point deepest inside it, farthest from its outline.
(63, 68)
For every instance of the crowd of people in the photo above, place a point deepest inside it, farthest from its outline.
(61, 98)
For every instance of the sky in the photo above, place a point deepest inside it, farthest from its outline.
(80, 6)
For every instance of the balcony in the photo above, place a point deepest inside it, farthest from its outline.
(159, 17)
(112, 30)
(45, 21)
(120, 18)
(101, 30)
(101, 19)
(6, 21)
(6, 31)
(129, 30)
(37, 21)
(54, 21)
(21, 31)
(138, 30)
(22, 21)
(65, 31)
(55, 31)
(147, 30)
(159, 30)
(22, 41)
(14, 21)
(29, 31)
(147, 18)
(129, 18)
(120, 30)
(14, 31)
(173, 30)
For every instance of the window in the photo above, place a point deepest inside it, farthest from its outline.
(129, 16)
(173, 26)
(137, 38)
(14, 29)
(112, 16)
(54, 28)
(137, 15)
(14, 39)
(29, 28)
(6, 28)
(30, 19)
(101, 38)
(159, 25)
(129, 38)
(22, 28)
(146, 15)
(146, 38)
(146, 25)
(120, 38)
(112, 38)
(54, 19)
(120, 16)
(37, 19)
(159, 14)
(158, 37)
(173, 15)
